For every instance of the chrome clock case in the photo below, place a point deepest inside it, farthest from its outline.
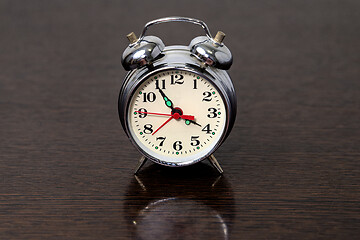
(205, 56)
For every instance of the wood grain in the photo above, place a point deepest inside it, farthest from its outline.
(291, 163)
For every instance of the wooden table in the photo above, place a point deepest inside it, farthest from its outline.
(292, 161)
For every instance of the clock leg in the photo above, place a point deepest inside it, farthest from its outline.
(142, 161)
(140, 183)
(215, 163)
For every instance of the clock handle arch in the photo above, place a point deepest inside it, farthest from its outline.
(175, 19)
(210, 51)
(217, 40)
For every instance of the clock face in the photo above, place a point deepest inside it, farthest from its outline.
(177, 117)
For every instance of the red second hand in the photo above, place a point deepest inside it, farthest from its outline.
(163, 125)
(161, 114)
(186, 117)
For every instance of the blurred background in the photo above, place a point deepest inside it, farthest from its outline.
(291, 162)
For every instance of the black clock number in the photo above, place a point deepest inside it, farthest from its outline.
(194, 141)
(157, 84)
(176, 79)
(143, 113)
(148, 129)
(150, 97)
(207, 97)
(207, 129)
(177, 145)
(212, 113)
(195, 84)
(162, 139)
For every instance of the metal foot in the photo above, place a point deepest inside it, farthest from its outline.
(216, 180)
(142, 161)
(140, 183)
(215, 163)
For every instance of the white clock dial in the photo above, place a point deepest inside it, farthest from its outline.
(177, 117)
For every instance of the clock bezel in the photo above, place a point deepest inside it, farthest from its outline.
(135, 78)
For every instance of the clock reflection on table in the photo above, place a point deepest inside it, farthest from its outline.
(179, 203)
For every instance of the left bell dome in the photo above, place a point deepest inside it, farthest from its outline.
(141, 53)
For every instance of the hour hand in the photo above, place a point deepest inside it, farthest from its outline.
(192, 121)
(168, 102)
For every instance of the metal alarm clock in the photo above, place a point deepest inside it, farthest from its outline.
(177, 104)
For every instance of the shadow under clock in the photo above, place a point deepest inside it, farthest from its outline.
(179, 203)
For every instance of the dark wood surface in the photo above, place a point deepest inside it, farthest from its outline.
(291, 163)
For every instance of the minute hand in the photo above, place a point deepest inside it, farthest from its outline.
(168, 102)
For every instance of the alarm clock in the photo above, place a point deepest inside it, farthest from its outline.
(177, 104)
